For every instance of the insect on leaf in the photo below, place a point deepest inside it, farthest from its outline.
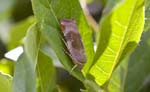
(73, 42)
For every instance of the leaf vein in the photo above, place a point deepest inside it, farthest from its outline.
(99, 68)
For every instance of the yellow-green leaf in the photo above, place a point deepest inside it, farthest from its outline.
(5, 82)
(120, 32)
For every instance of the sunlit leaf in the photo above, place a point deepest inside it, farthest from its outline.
(7, 66)
(120, 32)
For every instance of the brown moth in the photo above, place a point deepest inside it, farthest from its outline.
(73, 42)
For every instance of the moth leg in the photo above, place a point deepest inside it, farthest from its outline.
(75, 66)
(71, 59)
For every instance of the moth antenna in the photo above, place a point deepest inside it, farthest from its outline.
(62, 39)
(64, 42)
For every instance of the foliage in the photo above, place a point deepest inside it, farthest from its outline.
(143, 62)
(110, 68)
(5, 83)
(49, 22)
(20, 29)
(119, 34)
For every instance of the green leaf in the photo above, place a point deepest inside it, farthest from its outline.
(5, 83)
(7, 66)
(20, 30)
(49, 13)
(24, 76)
(32, 43)
(91, 86)
(147, 15)
(138, 74)
(120, 32)
(46, 73)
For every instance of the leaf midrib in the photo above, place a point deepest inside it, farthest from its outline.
(124, 38)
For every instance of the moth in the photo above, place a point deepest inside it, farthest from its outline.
(73, 42)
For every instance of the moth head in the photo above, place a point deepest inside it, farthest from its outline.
(65, 23)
